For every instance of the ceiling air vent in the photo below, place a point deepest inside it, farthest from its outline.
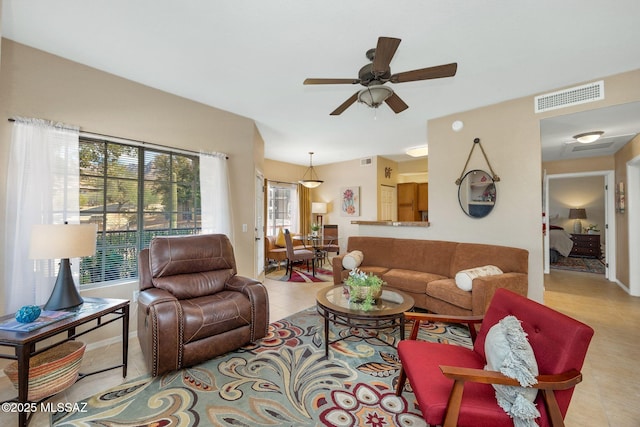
(569, 97)
(586, 147)
(366, 162)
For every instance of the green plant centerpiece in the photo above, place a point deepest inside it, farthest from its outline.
(364, 289)
(314, 229)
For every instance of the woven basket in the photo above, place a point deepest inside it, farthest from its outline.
(51, 371)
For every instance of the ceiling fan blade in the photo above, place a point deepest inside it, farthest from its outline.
(346, 104)
(331, 81)
(437, 72)
(396, 104)
(385, 50)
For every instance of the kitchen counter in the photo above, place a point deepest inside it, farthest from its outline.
(394, 223)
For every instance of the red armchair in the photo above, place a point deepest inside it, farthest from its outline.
(453, 389)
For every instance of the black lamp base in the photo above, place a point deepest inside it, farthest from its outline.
(64, 294)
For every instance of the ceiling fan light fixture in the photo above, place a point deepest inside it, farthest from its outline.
(420, 151)
(588, 137)
(374, 95)
(310, 182)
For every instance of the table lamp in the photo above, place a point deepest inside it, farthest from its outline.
(577, 214)
(319, 208)
(63, 241)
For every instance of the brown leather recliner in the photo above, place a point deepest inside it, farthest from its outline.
(192, 306)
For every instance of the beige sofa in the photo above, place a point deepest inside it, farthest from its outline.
(426, 270)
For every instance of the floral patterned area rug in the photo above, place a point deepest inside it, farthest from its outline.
(300, 274)
(586, 265)
(284, 379)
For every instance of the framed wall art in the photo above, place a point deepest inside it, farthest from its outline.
(350, 201)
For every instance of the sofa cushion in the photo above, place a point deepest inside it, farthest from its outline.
(428, 256)
(408, 280)
(446, 290)
(352, 260)
(371, 269)
(507, 259)
(280, 242)
(464, 278)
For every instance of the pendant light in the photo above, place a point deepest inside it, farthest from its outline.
(310, 182)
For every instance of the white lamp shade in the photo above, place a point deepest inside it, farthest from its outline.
(319, 207)
(53, 241)
(374, 95)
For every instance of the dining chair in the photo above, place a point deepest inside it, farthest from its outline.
(298, 255)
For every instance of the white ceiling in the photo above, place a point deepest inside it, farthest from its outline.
(250, 57)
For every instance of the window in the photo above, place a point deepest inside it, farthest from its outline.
(133, 193)
(282, 202)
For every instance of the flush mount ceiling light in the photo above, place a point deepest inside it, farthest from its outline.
(310, 182)
(421, 151)
(588, 137)
(374, 95)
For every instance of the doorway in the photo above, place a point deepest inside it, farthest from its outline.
(607, 227)
(632, 210)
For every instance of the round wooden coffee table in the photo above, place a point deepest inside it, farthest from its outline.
(333, 304)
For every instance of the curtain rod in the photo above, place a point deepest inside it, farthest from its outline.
(142, 143)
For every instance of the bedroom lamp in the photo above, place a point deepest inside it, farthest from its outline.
(63, 241)
(577, 214)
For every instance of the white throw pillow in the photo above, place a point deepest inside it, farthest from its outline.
(464, 278)
(508, 351)
(352, 260)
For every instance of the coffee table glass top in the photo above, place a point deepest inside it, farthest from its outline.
(391, 302)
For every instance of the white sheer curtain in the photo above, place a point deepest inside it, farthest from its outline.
(42, 188)
(215, 195)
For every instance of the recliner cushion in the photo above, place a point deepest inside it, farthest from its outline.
(214, 314)
(172, 255)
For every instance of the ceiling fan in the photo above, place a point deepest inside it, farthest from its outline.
(373, 77)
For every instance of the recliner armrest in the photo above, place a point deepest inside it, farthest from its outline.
(151, 297)
(257, 294)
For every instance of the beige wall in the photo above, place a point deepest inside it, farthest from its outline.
(590, 164)
(625, 154)
(37, 84)
(510, 135)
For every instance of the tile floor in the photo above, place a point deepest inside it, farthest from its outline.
(608, 395)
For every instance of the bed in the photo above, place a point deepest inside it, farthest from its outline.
(560, 243)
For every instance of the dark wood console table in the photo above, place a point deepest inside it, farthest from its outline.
(101, 310)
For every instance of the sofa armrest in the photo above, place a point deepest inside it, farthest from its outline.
(259, 298)
(484, 288)
(336, 262)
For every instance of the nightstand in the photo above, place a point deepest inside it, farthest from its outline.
(586, 245)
